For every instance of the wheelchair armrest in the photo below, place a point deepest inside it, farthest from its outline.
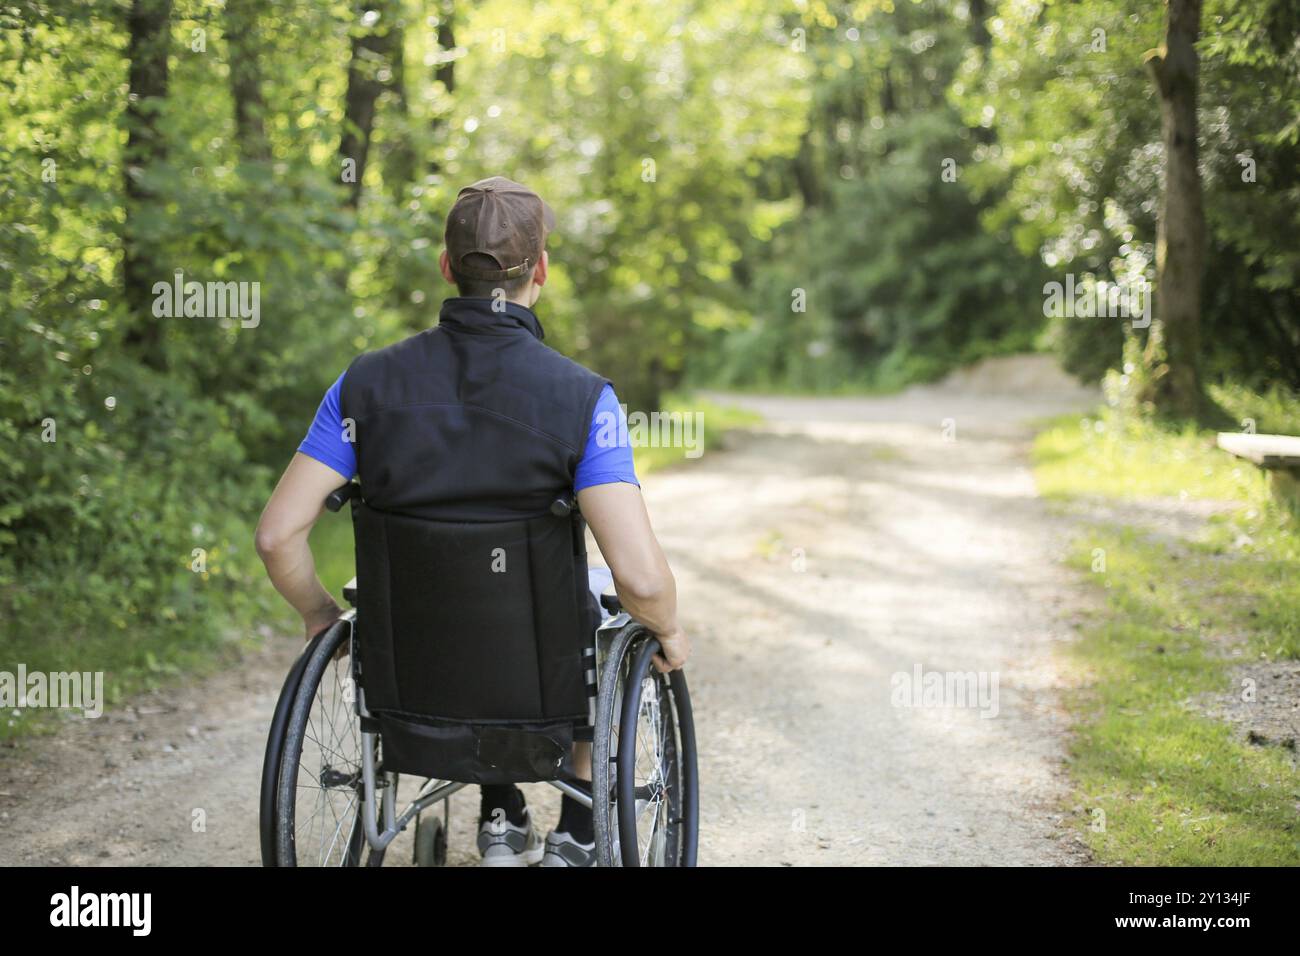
(564, 506)
(340, 496)
(611, 603)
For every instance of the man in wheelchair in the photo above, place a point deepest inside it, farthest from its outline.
(474, 422)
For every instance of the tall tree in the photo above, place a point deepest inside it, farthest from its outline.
(246, 78)
(1174, 346)
(445, 71)
(148, 24)
(370, 69)
(399, 163)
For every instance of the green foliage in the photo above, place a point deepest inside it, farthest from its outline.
(1273, 411)
(888, 276)
(128, 485)
(640, 123)
(705, 160)
(900, 283)
(1078, 155)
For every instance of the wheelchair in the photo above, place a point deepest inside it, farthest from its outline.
(475, 653)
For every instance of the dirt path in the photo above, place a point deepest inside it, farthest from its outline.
(844, 543)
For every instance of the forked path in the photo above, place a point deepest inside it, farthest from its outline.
(842, 543)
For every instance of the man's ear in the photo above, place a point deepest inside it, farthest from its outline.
(539, 273)
(444, 263)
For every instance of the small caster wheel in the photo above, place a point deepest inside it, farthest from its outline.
(430, 841)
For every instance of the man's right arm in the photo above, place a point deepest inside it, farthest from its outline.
(617, 517)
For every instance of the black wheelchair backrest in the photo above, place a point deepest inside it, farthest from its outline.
(471, 641)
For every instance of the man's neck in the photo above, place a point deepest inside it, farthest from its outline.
(486, 312)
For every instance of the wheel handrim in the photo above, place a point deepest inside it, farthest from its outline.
(667, 775)
(328, 824)
(647, 772)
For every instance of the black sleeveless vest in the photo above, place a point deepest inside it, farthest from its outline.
(473, 420)
(473, 610)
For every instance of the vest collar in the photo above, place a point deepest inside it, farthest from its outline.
(474, 314)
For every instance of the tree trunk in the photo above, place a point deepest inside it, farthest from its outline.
(399, 164)
(983, 40)
(804, 167)
(1173, 346)
(372, 55)
(888, 96)
(445, 73)
(149, 26)
(979, 32)
(246, 79)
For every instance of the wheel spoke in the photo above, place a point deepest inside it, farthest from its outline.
(651, 766)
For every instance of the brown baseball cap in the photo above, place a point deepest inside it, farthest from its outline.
(499, 219)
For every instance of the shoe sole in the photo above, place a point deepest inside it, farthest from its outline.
(554, 858)
(527, 858)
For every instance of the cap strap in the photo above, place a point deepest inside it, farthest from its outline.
(511, 273)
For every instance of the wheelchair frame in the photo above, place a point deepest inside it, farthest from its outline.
(380, 819)
(435, 790)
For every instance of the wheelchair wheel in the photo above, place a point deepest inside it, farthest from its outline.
(431, 838)
(274, 751)
(318, 808)
(645, 795)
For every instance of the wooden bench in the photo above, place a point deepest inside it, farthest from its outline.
(1277, 454)
(1267, 451)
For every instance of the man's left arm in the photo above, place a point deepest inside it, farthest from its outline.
(281, 539)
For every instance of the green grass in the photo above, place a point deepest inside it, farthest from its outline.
(331, 545)
(1100, 455)
(136, 648)
(1275, 411)
(717, 420)
(1176, 787)
(129, 666)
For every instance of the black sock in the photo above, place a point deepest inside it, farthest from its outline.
(501, 796)
(575, 820)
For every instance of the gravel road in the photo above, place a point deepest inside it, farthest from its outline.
(824, 560)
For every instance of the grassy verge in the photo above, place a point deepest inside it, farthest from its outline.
(715, 421)
(90, 622)
(1161, 782)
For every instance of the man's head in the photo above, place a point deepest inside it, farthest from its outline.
(496, 239)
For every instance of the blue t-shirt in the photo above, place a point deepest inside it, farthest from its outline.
(607, 460)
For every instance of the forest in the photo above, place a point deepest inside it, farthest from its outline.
(795, 196)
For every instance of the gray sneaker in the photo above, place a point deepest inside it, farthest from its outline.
(564, 850)
(503, 843)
